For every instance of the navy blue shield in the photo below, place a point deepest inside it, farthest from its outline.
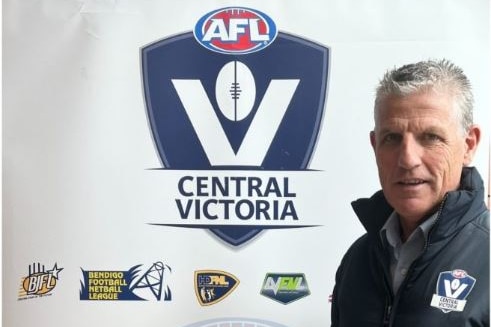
(194, 128)
(455, 284)
(452, 289)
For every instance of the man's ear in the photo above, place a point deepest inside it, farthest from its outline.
(472, 141)
(373, 141)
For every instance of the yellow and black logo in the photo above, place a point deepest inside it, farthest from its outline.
(39, 281)
(212, 286)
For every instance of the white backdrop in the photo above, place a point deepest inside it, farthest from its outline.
(78, 189)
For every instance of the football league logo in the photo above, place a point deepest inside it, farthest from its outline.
(39, 282)
(212, 286)
(285, 288)
(234, 94)
(452, 289)
(134, 284)
(259, 111)
(235, 30)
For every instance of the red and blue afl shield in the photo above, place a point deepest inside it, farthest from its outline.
(235, 94)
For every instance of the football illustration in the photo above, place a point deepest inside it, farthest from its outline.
(235, 90)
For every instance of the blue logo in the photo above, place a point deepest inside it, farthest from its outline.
(213, 111)
(126, 285)
(452, 289)
(235, 30)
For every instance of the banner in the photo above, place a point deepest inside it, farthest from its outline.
(192, 163)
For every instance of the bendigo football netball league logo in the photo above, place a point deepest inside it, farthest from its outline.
(235, 94)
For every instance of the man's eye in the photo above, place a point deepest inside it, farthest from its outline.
(391, 138)
(430, 137)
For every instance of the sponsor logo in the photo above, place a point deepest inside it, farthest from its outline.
(134, 284)
(285, 287)
(212, 286)
(235, 30)
(238, 125)
(452, 289)
(232, 322)
(39, 281)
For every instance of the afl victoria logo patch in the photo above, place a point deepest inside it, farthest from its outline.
(452, 289)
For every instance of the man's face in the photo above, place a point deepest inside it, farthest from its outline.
(420, 150)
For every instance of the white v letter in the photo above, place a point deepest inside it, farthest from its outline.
(448, 289)
(261, 132)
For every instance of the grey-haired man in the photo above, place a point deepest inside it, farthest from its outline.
(424, 260)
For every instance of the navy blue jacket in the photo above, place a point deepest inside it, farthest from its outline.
(456, 252)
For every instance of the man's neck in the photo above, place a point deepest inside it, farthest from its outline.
(407, 228)
(409, 225)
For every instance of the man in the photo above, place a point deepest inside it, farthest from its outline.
(424, 260)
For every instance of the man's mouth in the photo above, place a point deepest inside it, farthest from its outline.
(411, 182)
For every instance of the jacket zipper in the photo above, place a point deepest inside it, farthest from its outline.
(388, 311)
(388, 291)
(433, 225)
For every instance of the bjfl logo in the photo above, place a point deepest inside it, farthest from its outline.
(39, 282)
(235, 30)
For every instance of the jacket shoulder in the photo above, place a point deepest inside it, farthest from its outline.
(482, 222)
(357, 249)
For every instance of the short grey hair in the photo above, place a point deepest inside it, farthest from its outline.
(430, 75)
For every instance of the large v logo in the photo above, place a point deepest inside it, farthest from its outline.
(261, 132)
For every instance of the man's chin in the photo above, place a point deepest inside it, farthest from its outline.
(414, 209)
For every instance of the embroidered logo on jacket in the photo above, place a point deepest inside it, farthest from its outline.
(452, 289)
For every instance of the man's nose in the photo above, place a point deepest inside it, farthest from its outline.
(410, 153)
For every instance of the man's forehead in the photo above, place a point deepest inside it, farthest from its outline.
(421, 124)
(417, 123)
(415, 107)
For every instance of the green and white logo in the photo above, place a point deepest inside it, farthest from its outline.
(285, 287)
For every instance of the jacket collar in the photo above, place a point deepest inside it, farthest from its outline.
(458, 208)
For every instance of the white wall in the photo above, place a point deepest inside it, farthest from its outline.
(77, 146)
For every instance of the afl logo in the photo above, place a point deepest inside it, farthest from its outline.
(235, 30)
(459, 273)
